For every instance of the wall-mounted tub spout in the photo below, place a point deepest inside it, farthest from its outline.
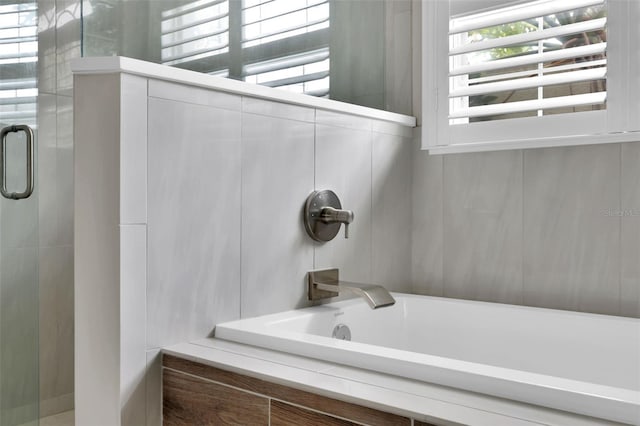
(326, 283)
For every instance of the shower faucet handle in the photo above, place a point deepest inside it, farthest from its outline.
(332, 215)
(323, 215)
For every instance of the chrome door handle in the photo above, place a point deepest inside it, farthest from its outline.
(3, 158)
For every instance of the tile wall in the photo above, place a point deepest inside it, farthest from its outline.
(235, 245)
(215, 185)
(555, 227)
(519, 227)
(58, 43)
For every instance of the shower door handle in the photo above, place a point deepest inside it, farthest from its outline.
(3, 159)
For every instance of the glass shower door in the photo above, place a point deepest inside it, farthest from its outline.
(19, 338)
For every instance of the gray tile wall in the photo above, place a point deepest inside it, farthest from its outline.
(58, 43)
(554, 228)
(292, 154)
(480, 223)
(482, 226)
(225, 232)
(277, 175)
(630, 230)
(228, 179)
(193, 220)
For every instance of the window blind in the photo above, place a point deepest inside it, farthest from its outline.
(540, 57)
(194, 31)
(267, 21)
(18, 53)
(276, 43)
(306, 72)
(264, 21)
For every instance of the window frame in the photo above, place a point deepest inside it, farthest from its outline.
(619, 122)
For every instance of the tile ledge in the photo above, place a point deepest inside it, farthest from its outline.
(425, 401)
(121, 64)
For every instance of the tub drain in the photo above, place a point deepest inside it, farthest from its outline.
(342, 332)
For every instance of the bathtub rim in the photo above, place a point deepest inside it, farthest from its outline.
(409, 398)
(591, 399)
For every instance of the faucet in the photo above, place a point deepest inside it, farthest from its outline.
(331, 215)
(323, 215)
(325, 283)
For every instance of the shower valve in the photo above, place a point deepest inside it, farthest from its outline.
(323, 215)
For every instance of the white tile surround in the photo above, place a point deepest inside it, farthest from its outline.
(215, 185)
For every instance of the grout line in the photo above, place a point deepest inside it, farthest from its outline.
(161, 402)
(620, 248)
(276, 116)
(146, 280)
(195, 103)
(522, 244)
(442, 225)
(315, 171)
(323, 413)
(371, 192)
(241, 142)
(271, 398)
(226, 385)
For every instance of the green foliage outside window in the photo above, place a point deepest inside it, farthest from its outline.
(561, 42)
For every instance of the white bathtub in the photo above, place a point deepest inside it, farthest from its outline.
(581, 363)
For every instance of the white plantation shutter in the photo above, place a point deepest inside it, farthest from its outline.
(514, 74)
(474, 71)
(517, 12)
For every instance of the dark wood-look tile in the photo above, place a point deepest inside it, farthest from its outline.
(288, 415)
(330, 406)
(188, 400)
(419, 423)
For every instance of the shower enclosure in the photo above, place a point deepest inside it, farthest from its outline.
(19, 237)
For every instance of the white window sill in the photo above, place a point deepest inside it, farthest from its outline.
(547, 142)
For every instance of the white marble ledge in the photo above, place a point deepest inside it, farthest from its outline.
(392, 394)
(120, 64)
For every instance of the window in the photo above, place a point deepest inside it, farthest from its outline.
(525, 74)
(195, 31)
(19, 52)
(276, 43)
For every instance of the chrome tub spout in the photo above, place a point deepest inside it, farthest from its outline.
(326, 283)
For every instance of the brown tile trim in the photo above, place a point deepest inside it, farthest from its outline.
(327, 405)
(419, 423)
(283, 414)
(189, 400)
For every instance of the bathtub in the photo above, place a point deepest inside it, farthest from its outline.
(581, 363)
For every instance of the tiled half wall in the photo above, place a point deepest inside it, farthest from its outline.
(198, 220)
